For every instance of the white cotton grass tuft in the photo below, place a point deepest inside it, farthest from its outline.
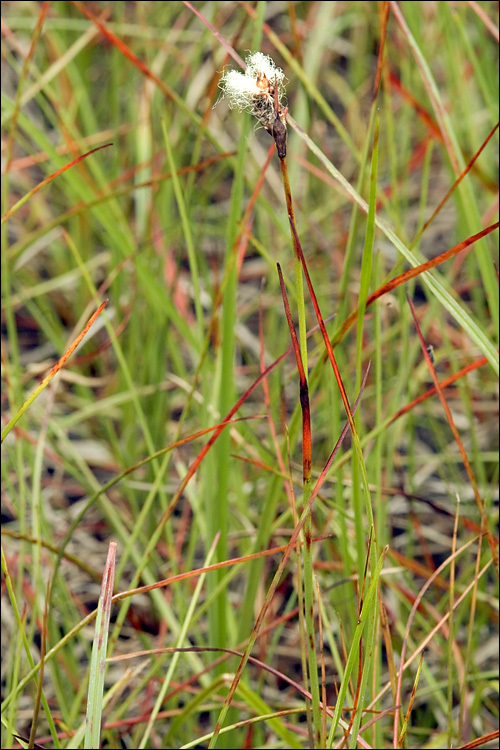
(254, 90)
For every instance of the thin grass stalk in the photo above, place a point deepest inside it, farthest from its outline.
(186, 228)
(404, 664)
(451, 639)
(306, 483)
(355, 218)
(380, 505)
(180, 640)
(279, 134)
(366, 663)
(291, 499)
(302, 628)
(303, 635)
(368, 604)
(16, 670)
(43, 651)
(277, 577)
(20, 621)
(331, 356)
(406, 720)
(323, 667)
(355, 436)
(366, 263)
(452, 189)
(355, 703)
(368, 666)
(266, 518)
(310, 628)
(464, 707)
(479, 501)
(217, 479)
(364, 286)
(299, 283)
(98, 660)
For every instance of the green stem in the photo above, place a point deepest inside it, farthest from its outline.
(301, 356)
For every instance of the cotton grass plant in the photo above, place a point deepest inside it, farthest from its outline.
(259, 90)
(296, 513)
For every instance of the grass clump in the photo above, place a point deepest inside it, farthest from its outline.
(263, 362)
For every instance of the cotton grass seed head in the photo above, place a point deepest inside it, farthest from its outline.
(254, 90)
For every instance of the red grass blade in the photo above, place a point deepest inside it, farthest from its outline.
(479, 501)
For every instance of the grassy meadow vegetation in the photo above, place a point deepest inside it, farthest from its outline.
(254, 395)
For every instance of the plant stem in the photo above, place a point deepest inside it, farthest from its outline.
(301, 356)
(299, 284)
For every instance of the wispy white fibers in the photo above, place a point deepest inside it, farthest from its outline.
(253, 90)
